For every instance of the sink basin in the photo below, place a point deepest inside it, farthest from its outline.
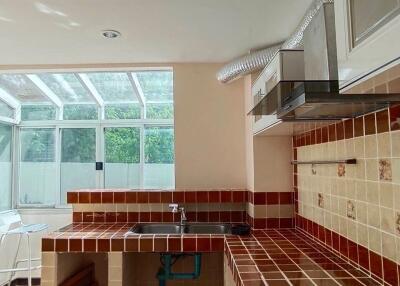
(191, 228)
(153, 228)
(208, 228)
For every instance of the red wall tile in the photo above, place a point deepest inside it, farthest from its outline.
(382, 121)
(107, 197)
(95, 197)
(359, 126)
(348, 129)
(369, 124)
(142, 197)
(395, 118)
(131, 197)
(84, 197)
(72, 198)
(166, 197)
(119, 197)
(339, 130)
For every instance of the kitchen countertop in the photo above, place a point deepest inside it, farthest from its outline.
(278, 257)
(267, 257)
(106, 237)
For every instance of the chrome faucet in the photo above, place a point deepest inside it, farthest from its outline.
(175, 208)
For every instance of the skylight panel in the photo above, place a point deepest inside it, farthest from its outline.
(67, 87)
(22, 88)
(157, 86)
(114, 87)
(6, 110)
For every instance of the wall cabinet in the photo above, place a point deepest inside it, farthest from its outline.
(367, 37)
(286, 65)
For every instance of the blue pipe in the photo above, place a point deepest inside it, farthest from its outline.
(165, 273)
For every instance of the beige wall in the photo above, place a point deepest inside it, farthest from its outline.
(272, 168)
(209, 129)
(248, 102)
(268, 158)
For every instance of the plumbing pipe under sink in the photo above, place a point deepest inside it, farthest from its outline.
(165, 273)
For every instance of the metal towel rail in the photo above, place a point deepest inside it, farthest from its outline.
(347, 161)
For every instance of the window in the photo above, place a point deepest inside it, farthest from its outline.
(6, 110)
(157, 88)
(37, 167)
(5, 167)
(122, 157)
(80, 112)
(78, 156)
(159, 157)
(122, 111)
(72, 120)
(38, 112)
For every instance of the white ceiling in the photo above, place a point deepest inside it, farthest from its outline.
(156, 31)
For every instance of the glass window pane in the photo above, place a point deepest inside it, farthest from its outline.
(160, 111)
(5, 167)
(122, 111)
(78, 157)
(67, 87)
(156, 85)
(159, 171)
(113, 86)
(122, 157)
(80, 112)
(38, 112)
(22, 88)
(6, 110)
(37, 174)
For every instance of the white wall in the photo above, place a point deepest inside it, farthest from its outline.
(5, 185)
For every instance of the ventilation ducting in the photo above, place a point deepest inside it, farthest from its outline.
(259, 59)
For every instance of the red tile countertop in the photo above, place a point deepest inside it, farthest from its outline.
(288, 257)
(267, 257)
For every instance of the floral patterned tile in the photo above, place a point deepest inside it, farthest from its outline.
(341, 171)
(385, 170)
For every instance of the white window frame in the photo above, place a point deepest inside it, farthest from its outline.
(100, 124)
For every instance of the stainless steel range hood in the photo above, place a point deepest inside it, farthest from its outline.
(318, 97)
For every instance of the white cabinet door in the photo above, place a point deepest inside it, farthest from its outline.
(367, 35)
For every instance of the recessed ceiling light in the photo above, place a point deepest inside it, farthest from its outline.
(111, 34)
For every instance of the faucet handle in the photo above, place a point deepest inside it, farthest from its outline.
(174, 207)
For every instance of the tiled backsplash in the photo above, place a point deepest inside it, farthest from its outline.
(355, 209)
(260, 209)
(361, 202)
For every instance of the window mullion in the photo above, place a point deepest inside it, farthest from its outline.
(15, 167)
(100, 156)
(142, 156)
(58, 140)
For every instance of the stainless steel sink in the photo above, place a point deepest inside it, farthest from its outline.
(208, 228)
(152, 228)
(192, 228)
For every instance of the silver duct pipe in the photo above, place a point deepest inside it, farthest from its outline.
(259, 59)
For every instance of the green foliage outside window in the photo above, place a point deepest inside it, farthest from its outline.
(159, 145)
(122, 145)
(38, 112)
(78, 145)
(80, 112)
(160, 111)
(119, 111)
(37, 145)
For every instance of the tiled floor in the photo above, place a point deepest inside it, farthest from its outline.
(288, 257)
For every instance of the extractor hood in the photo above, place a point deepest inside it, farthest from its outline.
(318, 96)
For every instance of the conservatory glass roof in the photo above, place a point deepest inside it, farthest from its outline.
(59, 89)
